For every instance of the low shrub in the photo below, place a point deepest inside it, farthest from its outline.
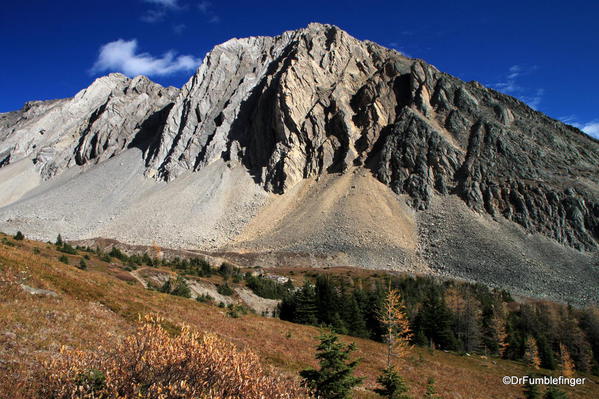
(155, 365)
(224, 289)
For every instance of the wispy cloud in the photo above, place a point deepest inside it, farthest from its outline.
(511, 84)
(591, 128)
(206, 8)
(534, 100)
(165, 3)
(151, 16)
(122, 56)
(159, 10)
(179, 28)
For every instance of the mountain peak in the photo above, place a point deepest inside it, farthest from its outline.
(316, 104)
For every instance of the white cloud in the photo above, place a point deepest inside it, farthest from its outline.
(158, 12)
(515, 71)
(205, 8)
(151, 16)
(121, 56)
(535, 99)
(178, 29)
(511, 85)
(591, 128)
(165, 3)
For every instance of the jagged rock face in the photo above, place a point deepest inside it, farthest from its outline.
(496, 153)
(282, 106)
(99, 122)
(317, 101)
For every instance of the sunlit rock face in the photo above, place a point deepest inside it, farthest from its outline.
(317, 101)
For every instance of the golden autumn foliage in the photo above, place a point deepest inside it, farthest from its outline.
(398, 334)
(151, 364)
(567, 364)
(531, 354)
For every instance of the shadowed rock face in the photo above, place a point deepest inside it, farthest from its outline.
(317, 101)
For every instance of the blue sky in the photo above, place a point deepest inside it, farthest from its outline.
(543, 52)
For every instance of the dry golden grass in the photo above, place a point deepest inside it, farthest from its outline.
(95, 308)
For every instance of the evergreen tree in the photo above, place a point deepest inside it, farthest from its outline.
(306, 309)
(554, 393)
(327, 301)
(431, 391)
(546, 354)
(19, 236)
(393, 384)
(338, 324)
(531, 391)
(589, 322)
(82, 264)
(334, 379)
(59, 241)
(375, 301)
(435, 319)
(181, 288)
(577, 342)
(167, 287)
(354, 319)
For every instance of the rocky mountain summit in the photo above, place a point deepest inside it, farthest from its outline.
(268, 121)
(96, 124)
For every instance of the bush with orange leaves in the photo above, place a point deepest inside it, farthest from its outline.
(151, 364)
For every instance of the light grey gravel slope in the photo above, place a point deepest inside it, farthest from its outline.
(114, 199)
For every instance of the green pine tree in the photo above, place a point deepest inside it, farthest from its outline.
(181, 288)
(327, 302)
(19, 236)
(554, 393)
(167, 287)
(354, 318)
(431, 391)
(59, 241)
(334, 379)
(393, 384)
(435, 319)
(306, 309)
(82, 264)
(531, 391)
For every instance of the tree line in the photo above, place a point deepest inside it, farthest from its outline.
(454, 316)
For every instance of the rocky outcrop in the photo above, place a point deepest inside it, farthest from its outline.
(115, 112)
(317, 101)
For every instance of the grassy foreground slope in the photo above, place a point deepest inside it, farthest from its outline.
(99, 306)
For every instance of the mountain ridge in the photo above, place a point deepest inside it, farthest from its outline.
(265, 117)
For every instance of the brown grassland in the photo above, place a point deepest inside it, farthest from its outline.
(100, 306)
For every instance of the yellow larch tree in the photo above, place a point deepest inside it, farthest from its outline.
(398, 333)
